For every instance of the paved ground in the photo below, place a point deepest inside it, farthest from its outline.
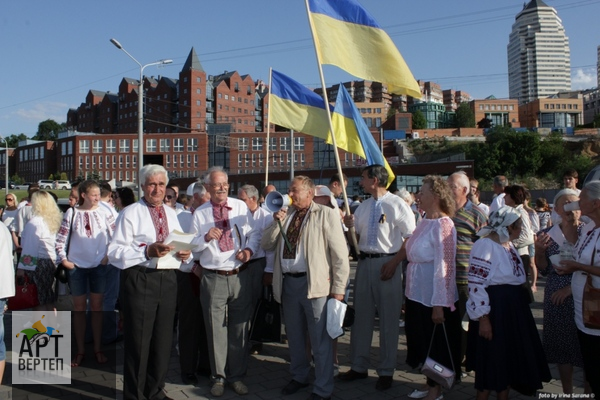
(267, 374)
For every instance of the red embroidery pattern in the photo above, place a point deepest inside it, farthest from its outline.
(159, 220)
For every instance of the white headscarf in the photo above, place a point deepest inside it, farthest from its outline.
(498, 221)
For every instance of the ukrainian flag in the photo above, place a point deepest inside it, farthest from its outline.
(294, 106)
(347, 36)
(353, 135)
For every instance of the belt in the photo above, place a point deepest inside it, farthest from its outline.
(147, 270)
(374, 255)
(295, 274)
(230, 272)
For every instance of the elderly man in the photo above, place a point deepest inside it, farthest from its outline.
(256, 266)
(498, 185)
(468, 220)
(225, 241)
(382, 222)
(310, 266)
(148, 292)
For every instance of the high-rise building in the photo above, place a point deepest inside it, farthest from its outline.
(539, 59)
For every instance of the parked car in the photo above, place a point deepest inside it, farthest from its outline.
(11, 184)
(63, 185)
(46, 184)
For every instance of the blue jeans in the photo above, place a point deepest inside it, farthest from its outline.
(79, 278)
(2, 345)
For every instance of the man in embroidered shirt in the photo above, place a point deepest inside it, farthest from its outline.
(468, 220)
(226, 241)
(382, 223)
(148, 293)
(310, 266)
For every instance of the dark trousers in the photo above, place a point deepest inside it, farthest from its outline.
(193, 345)
(148, 301)
(590, 349)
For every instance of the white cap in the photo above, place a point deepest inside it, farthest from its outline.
(190, 190)
(323, 191)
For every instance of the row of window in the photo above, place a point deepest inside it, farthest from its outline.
(560, 106)
(110, 162)
(493, 107)
(34, 153)
(110, 145)
(284, 144)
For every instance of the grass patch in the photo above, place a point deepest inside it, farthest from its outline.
(62, 194)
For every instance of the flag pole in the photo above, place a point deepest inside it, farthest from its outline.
(333, 141)
(268, 130)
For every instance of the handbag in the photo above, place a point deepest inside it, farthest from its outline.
(436, 371)
(26, 295)
(266, 323)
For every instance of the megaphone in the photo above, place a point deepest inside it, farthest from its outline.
(275, 201)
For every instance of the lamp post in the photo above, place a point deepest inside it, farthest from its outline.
(140, 108)
(6, 181)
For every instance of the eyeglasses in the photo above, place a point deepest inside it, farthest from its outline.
(9, 199)
(169, 197)
(219, 185)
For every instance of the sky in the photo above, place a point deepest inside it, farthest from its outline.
(53, 53)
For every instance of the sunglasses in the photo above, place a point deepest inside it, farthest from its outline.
(9, 199)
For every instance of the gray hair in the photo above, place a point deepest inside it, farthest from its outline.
(500, 180)
(150, 170)
(463, 179)
(565, 192)
(405, 195)
(593, 189)
(379, 172)
(199, 188)
(250, 190)
(211, 171)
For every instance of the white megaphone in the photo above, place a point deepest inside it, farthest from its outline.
(275, 201)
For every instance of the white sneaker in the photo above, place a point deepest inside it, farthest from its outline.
(418, 394)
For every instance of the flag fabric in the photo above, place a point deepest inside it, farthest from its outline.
(294, 106)
(353, 135)
(347, 36)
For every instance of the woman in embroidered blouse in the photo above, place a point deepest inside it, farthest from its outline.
(504, 347)
(81, 245)
(38, 254)
(587, 264)
(431, 284)
(559, 333)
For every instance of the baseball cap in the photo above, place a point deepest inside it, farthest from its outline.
(190, 190)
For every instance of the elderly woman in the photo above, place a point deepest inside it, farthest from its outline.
(504, 347)
(515, 196)
(431, 295)
(587, 264)
(560, 333)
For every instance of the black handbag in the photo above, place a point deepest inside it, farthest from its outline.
(60, 273)
(266, 323)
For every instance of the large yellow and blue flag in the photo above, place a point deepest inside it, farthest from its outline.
(294, 106)
(347, 36)
(353, 135)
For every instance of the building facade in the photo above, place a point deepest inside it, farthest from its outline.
(539, 58)
(500, 112)
(556, 113)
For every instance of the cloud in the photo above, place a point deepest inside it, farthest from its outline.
(43, 111)
(583, 79)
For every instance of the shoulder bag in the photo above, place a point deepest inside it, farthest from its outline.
(61, 273)
(26, 295)
(436, 371)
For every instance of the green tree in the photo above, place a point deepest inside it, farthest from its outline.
(519, 151)
(464, 116)
(419, 121)
(48, 130)
(13, 140)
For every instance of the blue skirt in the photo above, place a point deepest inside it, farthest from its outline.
(514, 357)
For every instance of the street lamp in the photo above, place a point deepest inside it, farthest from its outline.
(6, 181)
(140, 108)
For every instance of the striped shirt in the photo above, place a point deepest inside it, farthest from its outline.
(467, 222)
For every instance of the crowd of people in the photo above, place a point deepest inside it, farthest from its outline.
(435, 262)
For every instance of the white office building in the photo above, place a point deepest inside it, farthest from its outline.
(539, 59)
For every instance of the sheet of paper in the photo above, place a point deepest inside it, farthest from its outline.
(181, 241)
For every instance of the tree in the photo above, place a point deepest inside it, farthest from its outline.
(419, 121)
(48, 130)
(464, 116)
(484, 123)
(13, 140)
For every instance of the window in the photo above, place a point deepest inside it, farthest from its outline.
(127, 161)
(192, 144)
(150, 145)
(284, 143)
(84, 146)
(135, 145)
(232, 98)
(189, 160)
(298, 144)
(165, 145)
(226, 97)
(198, 91)
(114, 162)
(178, 145)
(96, 146)
(257, 144)
(174, 160)
(273, 145)
(124, 145)
(239, 160)
(243, 144)
(120, 161)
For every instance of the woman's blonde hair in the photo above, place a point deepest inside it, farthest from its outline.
(441, 188)
(44, 205)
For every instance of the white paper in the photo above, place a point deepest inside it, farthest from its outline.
(336, 310)
(181, 242)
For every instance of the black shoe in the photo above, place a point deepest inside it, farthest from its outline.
(315, 396)
(384, 383)
(189, 379)
(293, 387)
(204, 371)
(256, 348)
(352, 375)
